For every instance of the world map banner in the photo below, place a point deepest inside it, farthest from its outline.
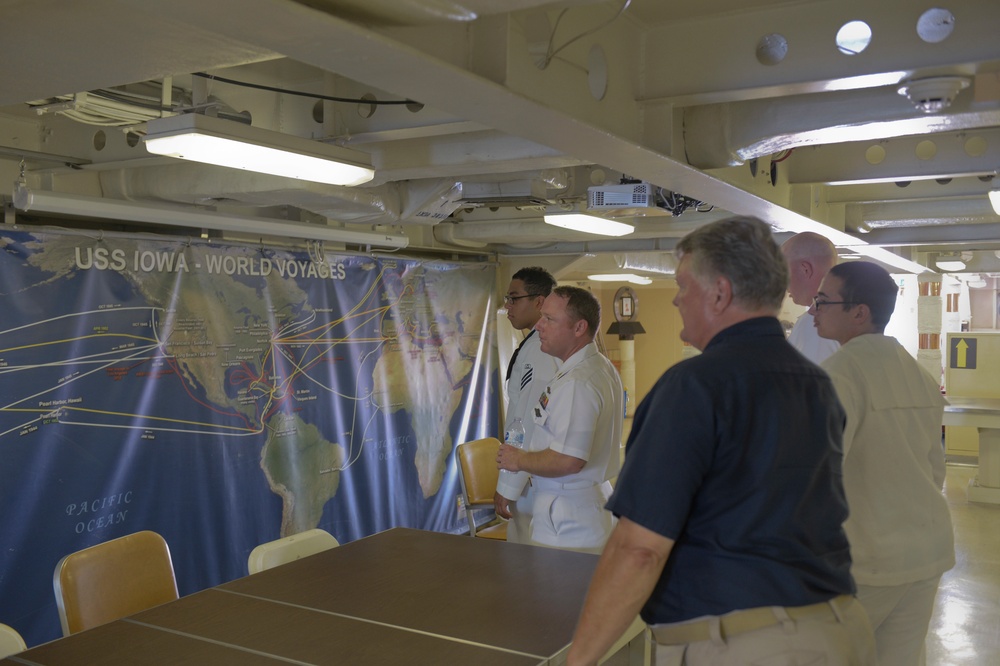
(224, 395)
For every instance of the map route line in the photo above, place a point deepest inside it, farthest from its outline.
(60, 411)
(105, 311)
(379, 279)
(26, 424)
(75, 378)
(313, 339)
(296, 324)
(327, 389)
(78, 338)
(279, 347)
(283, 390)
(189, 431)
(294, 335)
(369, 315)
(300, 366)
(81, 360)
(212, 426)
(354, 311)
(352, 458)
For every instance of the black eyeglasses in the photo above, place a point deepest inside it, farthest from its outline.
(818, 303)
(510, 299)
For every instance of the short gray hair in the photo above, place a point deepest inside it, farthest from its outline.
(742, 250)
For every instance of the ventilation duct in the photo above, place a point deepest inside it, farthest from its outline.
(424, 202)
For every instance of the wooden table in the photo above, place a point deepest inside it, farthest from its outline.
(399, 597)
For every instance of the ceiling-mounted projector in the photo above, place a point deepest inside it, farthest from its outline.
(624, 200)
(627, 195)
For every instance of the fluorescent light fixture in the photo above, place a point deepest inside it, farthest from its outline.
(953, 261)
(201, 138)
(950, 264)
(978, 282)
(96, 207)
(588, 224)
(620, 277)
(995, 200)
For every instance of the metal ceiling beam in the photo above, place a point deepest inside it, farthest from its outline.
(360, 53)
(102, 29)
(910, 214)
(724, 45)
(965, 187)
(944, 155)
(951, 234)
(464, 155)
(757, 128)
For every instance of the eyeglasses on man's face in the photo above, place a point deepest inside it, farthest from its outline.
(508, 299)
(817, 303)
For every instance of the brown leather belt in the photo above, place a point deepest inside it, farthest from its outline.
(740, 622)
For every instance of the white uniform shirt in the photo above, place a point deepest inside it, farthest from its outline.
(580, 414)
(899, 525)
(805, 338)
(532, 371)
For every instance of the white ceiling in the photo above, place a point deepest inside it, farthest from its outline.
(674, 94)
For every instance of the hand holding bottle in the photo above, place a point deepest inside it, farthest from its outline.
(513, 437)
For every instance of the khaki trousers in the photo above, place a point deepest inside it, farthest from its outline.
(836, 633)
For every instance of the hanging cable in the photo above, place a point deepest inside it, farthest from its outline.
(676, 203)
(284, 91)
(551, 52)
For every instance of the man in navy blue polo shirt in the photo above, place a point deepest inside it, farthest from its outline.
(731, 501)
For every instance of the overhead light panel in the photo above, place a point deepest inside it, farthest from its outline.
(588, 224)
(995, 201)
(951, 265)
(201, 138)
(110, 209)
(620, 277)
(952, 262)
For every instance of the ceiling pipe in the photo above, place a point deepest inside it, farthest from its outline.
(757, 128)
(423, 202)
(99, 208)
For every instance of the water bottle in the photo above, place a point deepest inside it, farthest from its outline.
(515, 437)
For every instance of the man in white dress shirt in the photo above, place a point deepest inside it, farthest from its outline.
(529, 371)
(809, 257)
(578, 429)
(899, 525)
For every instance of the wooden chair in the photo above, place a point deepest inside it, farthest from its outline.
(112, 580)
(10, 641)
(478, 472)
(287, 549)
